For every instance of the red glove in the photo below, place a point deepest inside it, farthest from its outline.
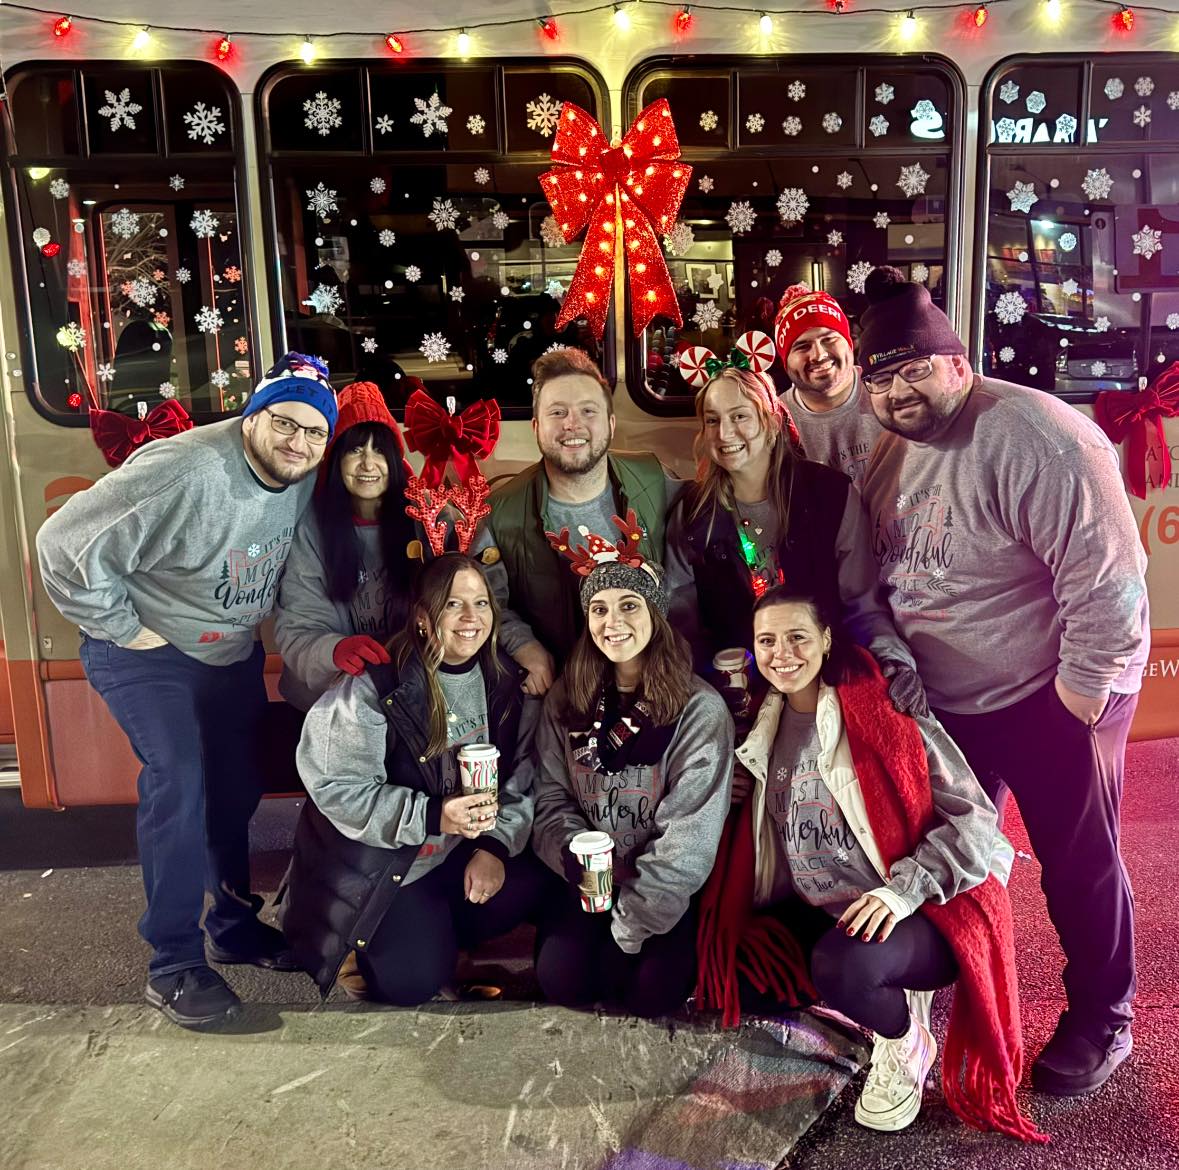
(351, 655)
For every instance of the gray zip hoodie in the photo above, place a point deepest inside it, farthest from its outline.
(665, 819)
(183, 539)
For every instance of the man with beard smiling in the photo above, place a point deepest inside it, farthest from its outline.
(833, 415)
(578, 484)
(1011, 559)
(168, 564)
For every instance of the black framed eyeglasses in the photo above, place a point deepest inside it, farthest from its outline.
(317, 436)
(912, 371)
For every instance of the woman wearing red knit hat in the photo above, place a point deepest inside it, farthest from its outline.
(868, 837)
(347, 578)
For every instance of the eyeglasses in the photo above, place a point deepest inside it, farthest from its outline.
(316, 436)
(912, 371)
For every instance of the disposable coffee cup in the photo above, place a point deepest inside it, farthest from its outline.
(732, 667)
(478, 767)
(595, 851)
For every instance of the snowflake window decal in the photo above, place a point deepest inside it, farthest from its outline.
(183, 276)
(832, 122)
(793, 204)
(413, 273)
(543, 115)
(204, 123)
(76, 268)
(1102, 325)
(1035, 102)
(499, 356)
(457, 293)
(1005, 130)
(709, 120)
(1173, 321)
(796, 90)
(773, 258)
(141, 292)
(1006, 354)
(679, 240)
(1142, 117)
(1070, 287)
(325, 300)
(476, 124)
(444, 216)
(835, 238)
(378, 186)
(500, 220)
(167, 390)
(878, 125)
(1097, 184)
(322, 113)
(1144, 86)
(885, 93)
(1173, 100)
(919, 273)
(321, 200)
(1023, 196)
(482, 176)
(1099, 369)
(843, 180)
(219, 378)
(204, 224)
(120, 109)
(1066, 127)
(550, 232)
(881, 219)
(1114, 88)
(105, 372)
(857, 275)
(705, 183)
(59, 188)
(755, 123)
(434, 347)
(176, 182)
(1147, 241)
(707, 315)
(913, 179)
(1067, 242)
(209, 320)
(740, 217)
(1010, 308)
(791, 126)
(386, 237)
(369, 345)
(384, 124)
(431, 115)
(1008, 92)
(125, 223)
(71, 336)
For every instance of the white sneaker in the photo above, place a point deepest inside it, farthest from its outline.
(892, 1097)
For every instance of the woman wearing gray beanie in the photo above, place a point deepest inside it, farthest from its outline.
(637, 751)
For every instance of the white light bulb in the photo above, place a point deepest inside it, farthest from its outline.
(766, 24)
(307, 51)
(1052, 10)
(621, 18)
(908, 27)
(141, 41)
(463, 43)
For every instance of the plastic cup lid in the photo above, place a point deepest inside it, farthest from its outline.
(591, 842)
(733, 657)
(479, 751)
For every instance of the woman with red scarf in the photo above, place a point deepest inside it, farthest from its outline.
(866, 830)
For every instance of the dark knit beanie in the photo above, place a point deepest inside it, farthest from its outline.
(901, 321)
(645, 580)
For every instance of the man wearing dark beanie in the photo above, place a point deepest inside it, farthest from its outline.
(833, 415)
(1011, 559)
(168, 565)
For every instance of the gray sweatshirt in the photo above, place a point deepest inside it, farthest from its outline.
(308, 625)
(341, 758)
(865, 614)
(1009, 553)
(842, 438)
(183, 539)
(665, 819)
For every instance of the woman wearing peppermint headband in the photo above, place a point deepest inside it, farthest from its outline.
(869, 837)
(344, 591)
(391, 860)
(634, 745)
(759, 516)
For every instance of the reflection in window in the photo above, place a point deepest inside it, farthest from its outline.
(1082, 274)
(413, 240)
(794, 186)
(133, 270)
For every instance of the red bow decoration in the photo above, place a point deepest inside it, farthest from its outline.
(635, 187)
(442, 436)
(118, 435)
(1126, 415)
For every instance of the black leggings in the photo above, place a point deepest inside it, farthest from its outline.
(415, 949)
(578, 961)
(866, 981)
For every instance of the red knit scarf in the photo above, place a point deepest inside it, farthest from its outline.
(983, 1055)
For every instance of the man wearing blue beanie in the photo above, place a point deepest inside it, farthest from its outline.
(168, 565)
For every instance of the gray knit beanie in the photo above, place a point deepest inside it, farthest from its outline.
(646, 581)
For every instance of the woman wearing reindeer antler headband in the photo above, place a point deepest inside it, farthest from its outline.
(759, 516)
(635, 764)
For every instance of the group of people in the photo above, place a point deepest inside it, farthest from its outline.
(794, 694)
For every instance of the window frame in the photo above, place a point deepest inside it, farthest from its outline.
(751, 64)
(982, 207)
(266, 155)
(18, 209)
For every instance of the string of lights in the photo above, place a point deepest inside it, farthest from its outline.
(683, 21)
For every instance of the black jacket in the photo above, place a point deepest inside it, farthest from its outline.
(720, 614)
(337, 890)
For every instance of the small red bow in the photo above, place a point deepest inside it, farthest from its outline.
(442, 436)
(118, 435)
(1126, 415)
(637, 186)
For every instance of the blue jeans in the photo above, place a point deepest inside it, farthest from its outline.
(194, 728)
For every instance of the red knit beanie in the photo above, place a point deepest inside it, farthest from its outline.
(901, 321)
(363, 402)
(800, 310)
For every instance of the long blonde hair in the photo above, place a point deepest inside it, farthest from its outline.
(714, 486)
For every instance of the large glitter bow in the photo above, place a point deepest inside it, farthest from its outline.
(1132, 416)
(637, 187)
(752, 351)
(118, 435)
(442, 437)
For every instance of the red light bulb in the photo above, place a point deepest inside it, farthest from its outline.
(51, 249)
(394, 43)
(223, 48)
(684, 21)
(1123, 21)
(74, 400)
(62, 26)
(548, 26)
(980, 16)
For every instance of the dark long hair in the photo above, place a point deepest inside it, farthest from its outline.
(840, 663)
(334, 512)
(427, 603)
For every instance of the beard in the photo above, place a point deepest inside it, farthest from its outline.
(579, 460)
(927, 422)
(278, 469)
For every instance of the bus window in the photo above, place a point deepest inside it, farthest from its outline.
(411, 235)
(806, 170)
(131, 269)
(1079, 288)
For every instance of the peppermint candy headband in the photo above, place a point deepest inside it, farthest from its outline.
(753, 351)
